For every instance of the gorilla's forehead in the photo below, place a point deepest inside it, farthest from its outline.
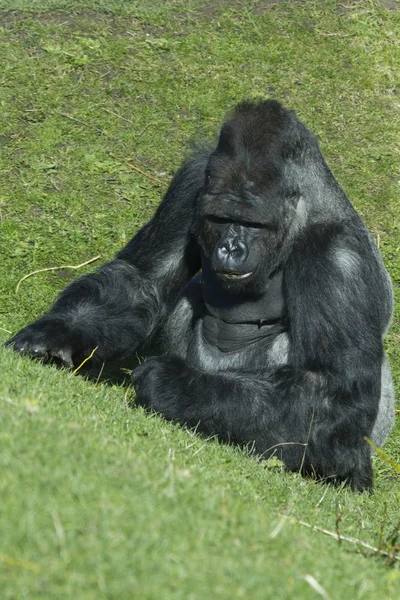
(249, 170)
(245, 207)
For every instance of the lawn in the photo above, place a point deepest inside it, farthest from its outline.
(99, 103)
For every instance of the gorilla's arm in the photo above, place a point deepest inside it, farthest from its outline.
(304, 419)
(119, 306)
(314, 412)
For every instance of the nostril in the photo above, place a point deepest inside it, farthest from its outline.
(223, 252)
(231, 246)
(238, 248)
(225, 245)
(231, 251)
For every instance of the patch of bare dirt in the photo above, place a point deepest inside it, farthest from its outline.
(83, 19)
(347, 4)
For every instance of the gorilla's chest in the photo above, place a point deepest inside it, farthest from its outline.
(237, 349)
(231, 337)
(242, 307)
(237, 330)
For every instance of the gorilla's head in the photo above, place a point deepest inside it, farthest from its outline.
(249, 206)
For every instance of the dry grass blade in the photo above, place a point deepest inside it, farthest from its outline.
(87, 262)
(90, 125)
(135, 168)
(317, 587)
(84, 361)
(382, 455)
(347, 538)
(18, 562)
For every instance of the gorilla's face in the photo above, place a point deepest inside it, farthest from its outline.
(244, 228)
(240, 253)
(247, 208)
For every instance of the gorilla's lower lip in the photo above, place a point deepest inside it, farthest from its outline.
(233, 275)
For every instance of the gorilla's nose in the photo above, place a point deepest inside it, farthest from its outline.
(231, 252)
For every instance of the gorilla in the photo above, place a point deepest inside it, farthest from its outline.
(261, 298)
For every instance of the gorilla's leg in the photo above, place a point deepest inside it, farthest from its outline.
(385, 418)
(290, 413)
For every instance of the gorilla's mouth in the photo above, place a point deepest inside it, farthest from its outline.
(232, 275)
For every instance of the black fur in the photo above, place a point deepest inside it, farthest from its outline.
(278, 342)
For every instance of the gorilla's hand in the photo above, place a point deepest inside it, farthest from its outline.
(161, 384)
(48, 339)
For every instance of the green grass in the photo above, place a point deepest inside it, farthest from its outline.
(98, 499)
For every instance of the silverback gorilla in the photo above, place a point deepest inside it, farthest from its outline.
(264, 296)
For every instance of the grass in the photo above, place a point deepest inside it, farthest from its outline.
(100, 500)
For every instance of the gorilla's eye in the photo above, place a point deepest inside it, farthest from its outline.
(218, 220)
(253, 225)
(222, 221)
